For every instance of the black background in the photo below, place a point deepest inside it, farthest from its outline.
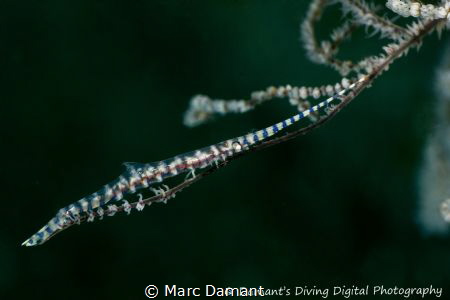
(86, 85)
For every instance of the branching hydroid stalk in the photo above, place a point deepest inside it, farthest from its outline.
(205, 161)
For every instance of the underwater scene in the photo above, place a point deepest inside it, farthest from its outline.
(239, 148)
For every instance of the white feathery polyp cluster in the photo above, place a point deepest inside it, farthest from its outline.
(417, 9)
(202, 108)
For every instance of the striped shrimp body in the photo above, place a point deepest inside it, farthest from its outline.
(136, 177)
(139, 176)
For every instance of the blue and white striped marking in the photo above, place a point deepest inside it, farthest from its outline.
(139, 176)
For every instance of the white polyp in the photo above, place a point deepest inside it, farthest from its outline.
(258, 95)
(414, 10)
(280, 91)
(90, 217)
(426, 11)
(100, 213)
(112, 209)
(140, 205)
(126, 206)
(329, 89)
(337, 88)
(316, 93)
(345, 83)
(294, 93)
(303, 93)
(440, 13)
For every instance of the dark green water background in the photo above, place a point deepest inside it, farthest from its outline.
(86, 85)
